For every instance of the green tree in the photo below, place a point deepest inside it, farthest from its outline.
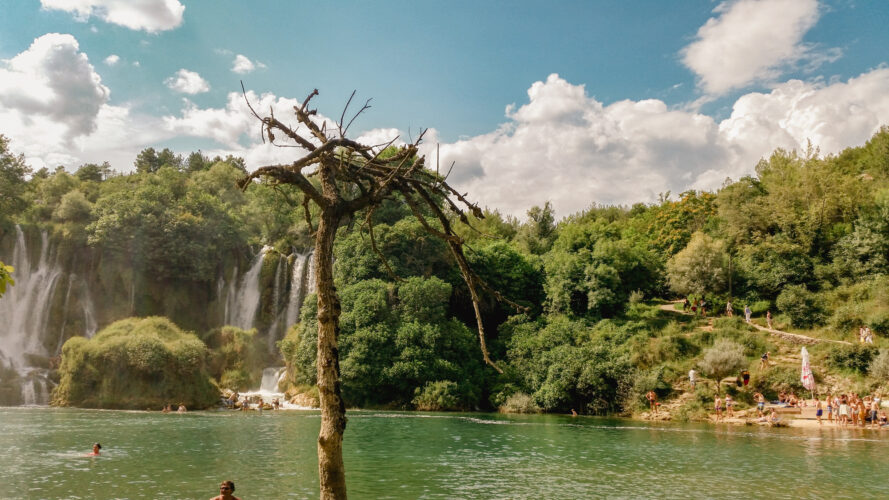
(150, 161)
(356, 178)
(701, 267)
(13, 186)
(723, 359)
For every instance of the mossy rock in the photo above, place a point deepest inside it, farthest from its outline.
(135, 363)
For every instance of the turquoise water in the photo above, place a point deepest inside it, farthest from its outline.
(420, 455)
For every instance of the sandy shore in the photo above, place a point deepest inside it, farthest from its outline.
(796, 417)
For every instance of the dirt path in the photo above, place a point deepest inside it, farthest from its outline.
(793, 338)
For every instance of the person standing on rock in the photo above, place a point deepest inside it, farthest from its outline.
(652, 401)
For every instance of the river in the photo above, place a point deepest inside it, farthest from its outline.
(425, 455)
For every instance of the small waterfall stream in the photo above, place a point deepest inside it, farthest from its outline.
(242, 301)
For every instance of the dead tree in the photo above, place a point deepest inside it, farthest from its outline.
(352, 177)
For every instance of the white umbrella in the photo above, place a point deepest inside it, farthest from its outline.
(806, 376)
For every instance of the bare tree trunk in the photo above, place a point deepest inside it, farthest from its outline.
(333, 411)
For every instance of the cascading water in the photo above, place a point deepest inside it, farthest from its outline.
(275, 329)
(298, 286)
(242, 300)
(25, 311)
(268, 389)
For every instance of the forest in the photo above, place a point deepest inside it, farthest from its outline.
(806, 238)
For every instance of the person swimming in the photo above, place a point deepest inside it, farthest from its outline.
(96, 448)
(226, 488)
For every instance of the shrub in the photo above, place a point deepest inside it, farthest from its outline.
(724, 358)
(760, 307)
(879, 366)
(776, 379)
(519, 403)
(235, 357)
(878, 321)
(133, 364)
(804, 308)
(442, 395)
(856, 357)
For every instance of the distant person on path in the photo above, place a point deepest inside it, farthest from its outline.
(747, 313)
(685, 304)
(703, 308)
(226, 488)
(764, 361)
(652, 401)
(769, 319)
(692, 378)
(729, 310)
(861, 334)
(96, 448)
(868, 335)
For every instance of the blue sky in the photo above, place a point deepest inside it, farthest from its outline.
(569, 102)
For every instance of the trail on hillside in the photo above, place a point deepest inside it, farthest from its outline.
(793, 338)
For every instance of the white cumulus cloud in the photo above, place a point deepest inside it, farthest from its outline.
(51, 82)
(146, 15)
(55, 109)
(187, 82)
(243, 65)
(112, 60)
(753, 41)
(566, 147)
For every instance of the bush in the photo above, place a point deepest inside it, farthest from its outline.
(804, 308)
(760, 307)
(725, 358)
(878, 321)
(519, 403)
(442, 395)
(879, 366)
(776, 379)
(133, 364)
(856, 357)
(235, 358)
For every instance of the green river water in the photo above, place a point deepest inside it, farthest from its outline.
(423, 455)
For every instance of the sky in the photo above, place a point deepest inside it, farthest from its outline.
(571, 102)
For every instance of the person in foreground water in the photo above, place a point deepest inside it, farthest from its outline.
(96, 448)
(226, 488)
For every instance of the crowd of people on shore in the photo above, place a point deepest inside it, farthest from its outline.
(845, 410)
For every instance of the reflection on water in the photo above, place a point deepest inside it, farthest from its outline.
(420, 455)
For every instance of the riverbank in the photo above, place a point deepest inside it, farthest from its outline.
(802, 418)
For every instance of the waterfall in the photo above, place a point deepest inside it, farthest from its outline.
(298, 279)
(25, 312)
(242, 301)
(274, 330)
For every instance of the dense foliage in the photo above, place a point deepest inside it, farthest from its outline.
(806, 238)
(135, 364)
